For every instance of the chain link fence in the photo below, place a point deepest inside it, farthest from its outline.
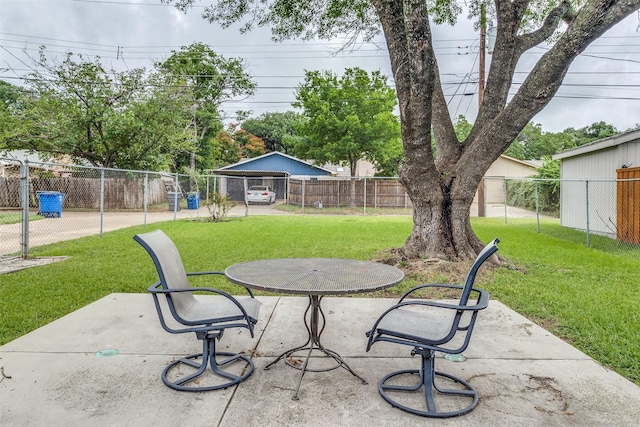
(42, 203)
(601, 213)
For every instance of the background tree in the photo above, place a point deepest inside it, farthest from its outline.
(234, 143)
(543, 194)
(442, 186)
(213, 80)
(224, 150)
(462, 128)
(347, 118)
(277, 130)
(250, 145)
(10, 106)
(534, 143)
(593, 132)
(105, 118)
(389, 160)
(9, 94)
(515, 150)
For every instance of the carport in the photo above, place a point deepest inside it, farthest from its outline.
(271, 169)
(235, 183)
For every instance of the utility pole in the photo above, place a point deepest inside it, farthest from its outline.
(483, 37)
(483, 49)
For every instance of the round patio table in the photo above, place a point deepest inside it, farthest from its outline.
(314, 277)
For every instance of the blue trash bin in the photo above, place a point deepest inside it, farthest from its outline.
(193, 201)
(50, 203)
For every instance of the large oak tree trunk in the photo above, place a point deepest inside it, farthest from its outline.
(441, 224)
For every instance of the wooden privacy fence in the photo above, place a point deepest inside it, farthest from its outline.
(628, 201)
(374, 193)
(84, 193)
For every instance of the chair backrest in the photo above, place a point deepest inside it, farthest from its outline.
(169, 265)
(486, 252)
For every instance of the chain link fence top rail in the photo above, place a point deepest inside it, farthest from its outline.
(42, 203)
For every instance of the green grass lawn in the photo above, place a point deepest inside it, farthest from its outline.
(587, 296)
(12, 217)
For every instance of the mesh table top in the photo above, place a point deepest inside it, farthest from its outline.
(314, 276)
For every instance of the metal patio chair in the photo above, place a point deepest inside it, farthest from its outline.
(176, 305)
(429, 327)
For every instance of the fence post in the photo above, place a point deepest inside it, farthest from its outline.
(246, 202)
(303, 194)
(145, 196)
(24, 196)
(176, 200)
(101, 199)
(481, 206)
(287, 183)
(505, 199)
(375, 194)
(587, 203)
(364, 181)
(537, 207)
(207, 198)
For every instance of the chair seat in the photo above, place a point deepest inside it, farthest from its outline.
(220, 308)
(424, 326)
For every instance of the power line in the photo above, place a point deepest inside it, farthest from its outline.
(234, 46)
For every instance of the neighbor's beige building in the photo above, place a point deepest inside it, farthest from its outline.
(504, 167)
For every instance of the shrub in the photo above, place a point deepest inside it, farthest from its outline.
(218, 206)
(546, 185)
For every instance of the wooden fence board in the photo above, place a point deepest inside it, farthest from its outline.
(333, 193)
(84, 193)
(628, 205)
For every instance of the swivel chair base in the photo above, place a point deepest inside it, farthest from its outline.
(201, 366)
(426, 386)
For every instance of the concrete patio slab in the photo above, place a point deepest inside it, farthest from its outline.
(525, 376)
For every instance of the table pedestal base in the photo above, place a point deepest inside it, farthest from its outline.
(314, 313)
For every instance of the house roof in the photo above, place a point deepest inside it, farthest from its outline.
(272, 163)
(529, 163)
(601, 144)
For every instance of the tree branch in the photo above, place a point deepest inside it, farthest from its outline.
(447, 149)
(396, 37)
(503, 63)
(550, 25)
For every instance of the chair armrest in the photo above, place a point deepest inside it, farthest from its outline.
(482, 303)
(429, 285)
(483, 299)
(202, 273)
(153, 289)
